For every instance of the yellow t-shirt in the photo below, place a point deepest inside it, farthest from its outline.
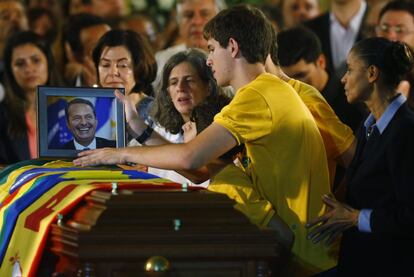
(285, 157)
(337, 137)
(234, 182)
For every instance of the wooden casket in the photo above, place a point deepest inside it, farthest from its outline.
(168, 232)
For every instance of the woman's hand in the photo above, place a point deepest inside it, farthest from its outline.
(190, 131)
(130, 110)
(339, 218)
(136, 124)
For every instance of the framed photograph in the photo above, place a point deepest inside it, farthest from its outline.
(73, 119)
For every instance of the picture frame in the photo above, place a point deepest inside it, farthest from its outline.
(59, 137)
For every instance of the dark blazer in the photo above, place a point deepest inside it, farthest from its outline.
(100, 143)
(12, 149)
(381, 178)
(321, 27)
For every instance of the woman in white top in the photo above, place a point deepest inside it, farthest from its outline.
(188, 93)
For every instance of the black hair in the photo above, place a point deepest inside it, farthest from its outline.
(35, 13)
(393, 59)
(144, 64)
(274, 48)
(398, 5)
(296, 44)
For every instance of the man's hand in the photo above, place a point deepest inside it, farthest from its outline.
(329, 226)
(101, 156)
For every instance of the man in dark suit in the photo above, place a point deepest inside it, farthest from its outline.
(338, 30)
(301, 58)
(82, 122)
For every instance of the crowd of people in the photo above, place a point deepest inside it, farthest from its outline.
(302, 117)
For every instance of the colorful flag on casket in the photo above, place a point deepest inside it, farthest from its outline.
(31, 197)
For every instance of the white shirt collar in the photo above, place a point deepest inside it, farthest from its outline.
(78, 146)
(387, 116)
(356, 20)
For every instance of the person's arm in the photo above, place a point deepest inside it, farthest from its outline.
(283, 232)
(206, 172)
(346, 157)
(137, 126)
(188, 156)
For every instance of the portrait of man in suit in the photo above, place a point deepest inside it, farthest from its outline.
(82, 122)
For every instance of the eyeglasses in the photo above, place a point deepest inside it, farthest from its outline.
(398, 30)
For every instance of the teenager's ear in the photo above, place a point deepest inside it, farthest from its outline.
(321, 61)
(233, 46)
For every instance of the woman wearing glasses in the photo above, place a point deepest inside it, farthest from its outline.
(396, 23)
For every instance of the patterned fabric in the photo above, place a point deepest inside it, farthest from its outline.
(32, 196)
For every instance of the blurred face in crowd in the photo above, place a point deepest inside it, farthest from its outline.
(298, 11)
(116, 68)
(90, 36)
(186, 89)
(82, 123)
(192, 16)
(143, 26)
(29, 67)
(371, 18)
(311, 73)
(109, 8)
(42, 25)
(397, 26)
(12, 18)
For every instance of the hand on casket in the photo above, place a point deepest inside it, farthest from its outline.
(102, 156)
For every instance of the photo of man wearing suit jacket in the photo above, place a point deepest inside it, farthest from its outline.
(81, 121)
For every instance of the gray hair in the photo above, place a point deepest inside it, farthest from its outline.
(220, 5)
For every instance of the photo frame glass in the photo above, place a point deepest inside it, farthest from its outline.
(73, 119)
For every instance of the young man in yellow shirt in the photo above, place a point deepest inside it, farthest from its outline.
(285, 157)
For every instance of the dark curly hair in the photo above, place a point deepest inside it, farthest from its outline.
(164, 111)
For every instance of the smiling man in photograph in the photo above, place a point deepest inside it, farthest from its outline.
(81, 121)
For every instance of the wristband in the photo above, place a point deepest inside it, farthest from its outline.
(145, 135)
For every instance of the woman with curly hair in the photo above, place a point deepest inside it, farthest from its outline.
(188, 93)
